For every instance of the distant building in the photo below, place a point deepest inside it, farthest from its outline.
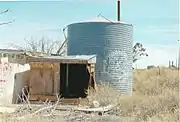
(150, 66)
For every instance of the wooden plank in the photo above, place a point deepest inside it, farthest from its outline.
(54, 98)
(56, 78)
(70, 100)
(71, 61)
(99, 109)
(36, 83)
(41, 79)
(67, 77)
(42, 98)
(48, 77)
(87, 109)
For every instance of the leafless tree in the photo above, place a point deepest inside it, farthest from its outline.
(45, 45)
(7, 22)
(138, 52)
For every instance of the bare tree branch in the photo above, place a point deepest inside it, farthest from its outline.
(5, 11)
(8, 22)
(5, 23)
(32, 45)
(44, 45)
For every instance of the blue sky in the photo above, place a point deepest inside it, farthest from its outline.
(155, 21)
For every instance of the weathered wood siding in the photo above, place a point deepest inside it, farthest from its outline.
(44, 78)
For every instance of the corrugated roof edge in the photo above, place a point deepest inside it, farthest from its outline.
(65, 59)
(12, 50)
(100, 22)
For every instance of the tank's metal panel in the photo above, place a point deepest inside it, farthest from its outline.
(112, 43)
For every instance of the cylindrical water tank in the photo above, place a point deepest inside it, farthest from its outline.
(112, 42)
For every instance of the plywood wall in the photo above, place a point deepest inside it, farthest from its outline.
(44, 78)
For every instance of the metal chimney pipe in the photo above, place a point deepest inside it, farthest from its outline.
(118, 10)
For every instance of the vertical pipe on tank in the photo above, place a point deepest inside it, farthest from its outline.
(118, 10)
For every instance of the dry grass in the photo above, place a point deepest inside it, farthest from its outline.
(155, 97)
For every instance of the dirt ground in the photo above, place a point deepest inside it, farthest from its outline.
(25, 114)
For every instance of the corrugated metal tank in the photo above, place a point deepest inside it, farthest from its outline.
(112, 42)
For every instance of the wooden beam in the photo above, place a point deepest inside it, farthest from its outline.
(42, 97)
(99, 109)
(67, 79)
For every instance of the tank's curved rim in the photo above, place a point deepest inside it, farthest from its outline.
(99, 22)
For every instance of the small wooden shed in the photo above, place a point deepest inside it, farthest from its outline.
(67, 76)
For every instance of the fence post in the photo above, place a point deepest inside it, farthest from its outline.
(159, 70)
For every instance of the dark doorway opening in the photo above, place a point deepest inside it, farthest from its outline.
(74, 80)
